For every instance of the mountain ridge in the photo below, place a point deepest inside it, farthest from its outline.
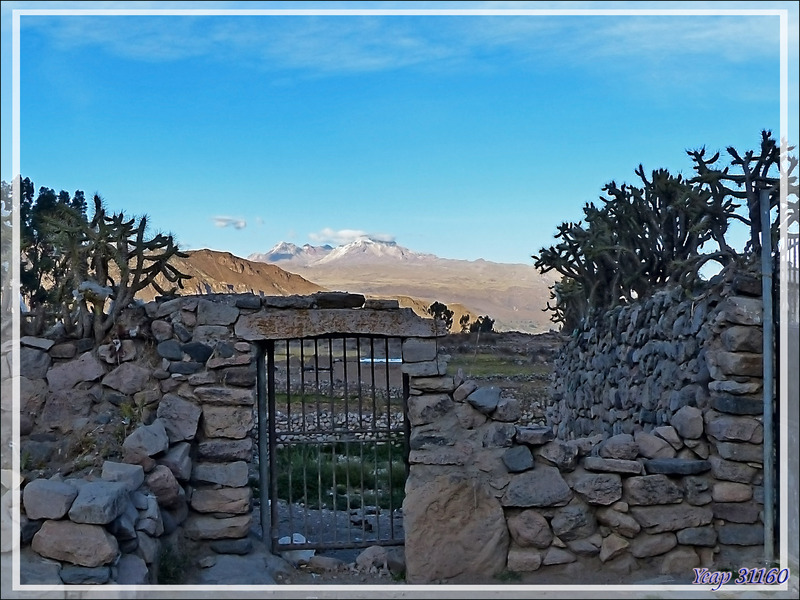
(513, 294)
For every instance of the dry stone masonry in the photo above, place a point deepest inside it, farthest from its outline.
(652, 453)
(182, 375)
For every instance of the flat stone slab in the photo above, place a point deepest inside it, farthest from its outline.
(676, 466)
(612, 465)
(276, 324)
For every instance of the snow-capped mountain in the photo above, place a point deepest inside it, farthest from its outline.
(298, 255)
(362, 250)
(512, 294)
(366, 250)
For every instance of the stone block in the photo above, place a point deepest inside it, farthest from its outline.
(534, 435)
(612, 465)
(227, 396)
(148, 440)
(698, 536)
(178, 460)
(485, 399)
(559, 454)
(671, 517)
(730, 491)
(48, 499)
(735, 428)
(430, 510)
(128, 378)
(99, 502)
(234, 474)
(518, 459)
(130, 475)
(165, 486)
(618, 522)
(226, 450)
(80, 544)
(428, 408)
(651, 490)
(179, 416)
(688, 422)
(573, 522)
(420, 350)
(234, 422)
(612, 547)
(542, 486)
(523, 560)
(645, 546)
(737, 512)
(528, 528)
(620, 446)
(216, 313)
(598, 488)
(222, 500)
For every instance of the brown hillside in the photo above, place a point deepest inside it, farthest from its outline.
(215, 272)
(221, 272)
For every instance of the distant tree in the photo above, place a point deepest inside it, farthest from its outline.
(7, 296)
(41, 244)
(82, 273)
(440, 311)
(482, 325)
(463, 322)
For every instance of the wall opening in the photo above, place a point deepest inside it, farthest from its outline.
(333, 441)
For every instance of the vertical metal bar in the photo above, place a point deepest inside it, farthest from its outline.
(360, 389)
(768, 348)
(376, 489)
(319, 426)
(363, 510)
(372, 368)
(332, 445)
(273, 446)
(388, 434)
(302, 387)
(304, 447)
(346, 387)
(264, 455)
(406, 423)
(288, 389)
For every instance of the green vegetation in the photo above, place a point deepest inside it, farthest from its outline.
(172, 565)
(334, 475)
(508, 576)
(488, 364)
(81, 272)
(440, 311)
(661, 233)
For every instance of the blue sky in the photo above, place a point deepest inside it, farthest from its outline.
(469, 136)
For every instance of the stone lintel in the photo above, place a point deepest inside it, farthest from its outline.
(277, 324)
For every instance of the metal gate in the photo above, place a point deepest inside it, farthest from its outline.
(337, 432)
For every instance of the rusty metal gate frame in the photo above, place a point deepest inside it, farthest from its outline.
(310, 433)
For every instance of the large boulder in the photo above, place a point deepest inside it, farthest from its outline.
(77, 543)
(455, 529)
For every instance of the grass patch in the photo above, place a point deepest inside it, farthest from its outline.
(172, 565)
(508, 576)
(485, 365)
(342, 475)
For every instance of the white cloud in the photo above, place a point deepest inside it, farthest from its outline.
(236, 223)
(320, 44)
(338, 237)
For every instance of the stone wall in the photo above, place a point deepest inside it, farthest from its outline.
(644, 362)
(651, 459)
(172, 400)
(663, 471)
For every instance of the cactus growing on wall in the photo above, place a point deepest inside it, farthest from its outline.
(662, 232)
